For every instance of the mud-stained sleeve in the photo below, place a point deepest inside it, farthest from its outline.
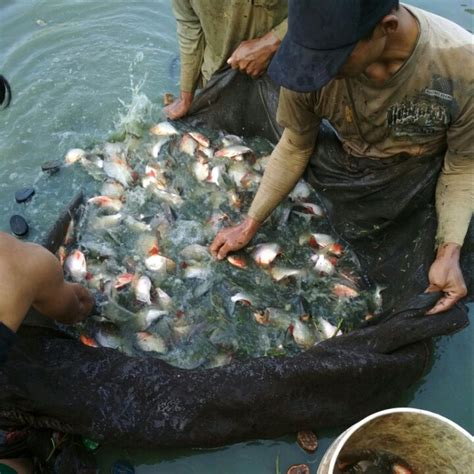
(296, 111)
(455, 198)
(280, 30)
(191, 44)
(455, 189)
(286, 166)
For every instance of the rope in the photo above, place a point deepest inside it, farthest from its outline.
(26, 419)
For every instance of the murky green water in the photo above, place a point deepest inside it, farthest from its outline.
(72, 65)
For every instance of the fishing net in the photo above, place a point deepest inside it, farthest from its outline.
(52, 381)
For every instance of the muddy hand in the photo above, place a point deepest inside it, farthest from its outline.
(233, 238)
(180, 107)
(445, 275)
(253, 56)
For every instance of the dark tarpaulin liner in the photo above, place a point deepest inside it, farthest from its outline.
(53, 381)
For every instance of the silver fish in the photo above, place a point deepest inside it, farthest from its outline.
(233, 151)
(195, 252)
(157, 146)
(188, 145)
(303, 335)
(75, 154)
(323, 264)
(264, 254)
(160, 264)
(118, 169)
(201, 139)
(163, 128)
(142, 288)
(148, 342)
(301, 191)
(112, 189)
(106, 222)
(327, 329)
(75, 265)
(280, 273)
(199, 272)
(106, 203)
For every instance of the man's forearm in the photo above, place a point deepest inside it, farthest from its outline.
(286, 166)
(454, 206)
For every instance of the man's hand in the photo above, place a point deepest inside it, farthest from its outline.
(253, 56)
(85, 299)
(233, 238)
(180, 107)
(445, 275)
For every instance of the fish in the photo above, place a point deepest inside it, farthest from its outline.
(233, 151)
(302, 334)
(205, 152)
(242, 298)
(76, 266)
(238, 261)
(237, 171)
(199, 272)
(112, 189)
(88, 341)
(158, 145)
(195, 252)
(188, 145)
(142, 288)
(106, 203)
(148, 342)
(275, 317)
(148, 316)
(164, 300)
(118, 169)
(106, 222)
(327, 329)
(281, 273)
(108, 336)
(69, 237)
(301, 191)
(75, 154)
(200, 170)
(145, 236)
(163, 128)
(123, 280)
(264, 254)
(61, 253)
(136, 226)
(317, 240)
(310, 208)
(323, 264)
(160, 263)
(344, 291)
(215, 176)
(335, 249)
(201, 139)
(229, 140)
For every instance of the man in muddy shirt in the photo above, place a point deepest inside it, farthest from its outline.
(242, 33)
(32, 276)
(395, 82)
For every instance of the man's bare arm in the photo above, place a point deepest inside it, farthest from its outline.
(32, 276)
(60, 300)
(286, 166)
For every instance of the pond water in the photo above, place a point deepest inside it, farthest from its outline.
(75, 67)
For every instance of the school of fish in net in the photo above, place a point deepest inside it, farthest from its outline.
(141, 246)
